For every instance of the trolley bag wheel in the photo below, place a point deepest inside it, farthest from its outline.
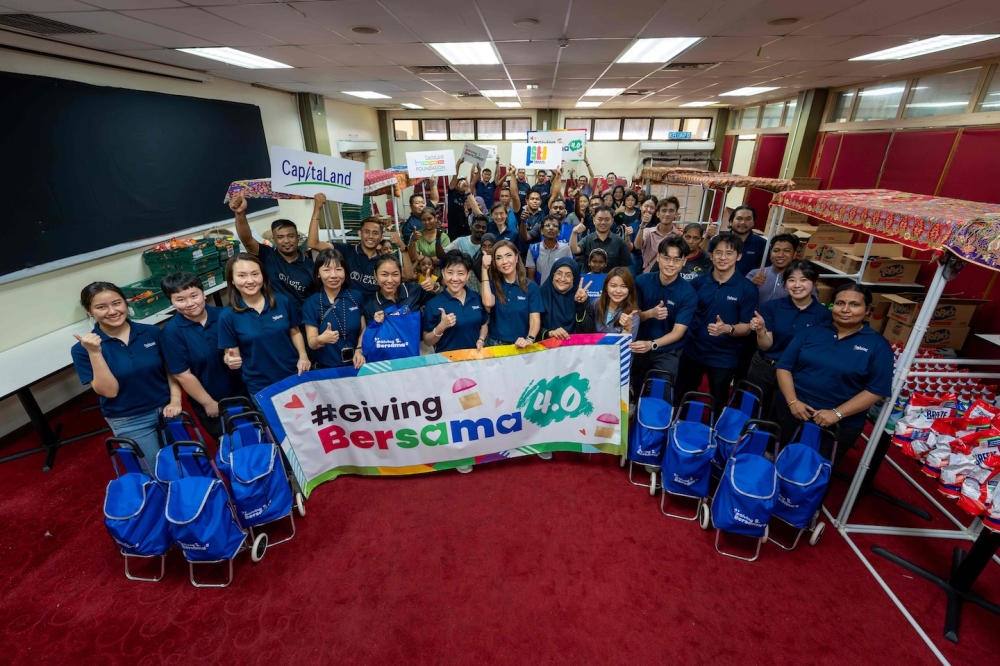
(705, 517)
(258, 548)
(763, 539)
(300, 505)
(816, 533)
(652, 483)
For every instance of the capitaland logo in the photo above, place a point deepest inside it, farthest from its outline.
(353, 308)
(731, 298)
(309, 174)
(475, 307)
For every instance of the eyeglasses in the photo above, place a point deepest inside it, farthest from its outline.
(724, 254)
(672, 260)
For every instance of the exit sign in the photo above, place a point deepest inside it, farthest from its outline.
(680, 135)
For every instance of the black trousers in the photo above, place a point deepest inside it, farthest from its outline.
(746, 354)
(763, 375)
(789, 425)
(658, 360)
(719, 381)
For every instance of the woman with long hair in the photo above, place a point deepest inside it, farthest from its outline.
(429, 242)
(123, 362)
(259, 329)
(333, 316)
(513, 301)
(581, 213)
(612, 313)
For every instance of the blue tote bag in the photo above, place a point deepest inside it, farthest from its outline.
(398, 336)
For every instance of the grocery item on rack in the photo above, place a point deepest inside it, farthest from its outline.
(141, 297)
(969, 460)
(978, 490)
(919, 414)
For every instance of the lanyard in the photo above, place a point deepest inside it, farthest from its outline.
(332, 310)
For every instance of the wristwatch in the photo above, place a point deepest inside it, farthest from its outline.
(529, 338)
(839, 415)
(653, 346)
(732, 329)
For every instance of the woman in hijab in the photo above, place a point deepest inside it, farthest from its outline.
(565, 298)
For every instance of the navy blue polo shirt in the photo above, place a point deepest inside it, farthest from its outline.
(265, 346)
(680, 300)
(510, 234)
(531, 222)
(138, 367)
(362, 267)
(511, 321)
(486, 190)
(827, 371)
(344, 317)
(469, 319)
(291, 279)
(786, 321)
(188, 345)
(544, 189)
(409, 294)
(522, 190)
(735, 301)
(754, 249)
(411, 225)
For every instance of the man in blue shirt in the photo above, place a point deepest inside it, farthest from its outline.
(769, 280)
(413, 222)
(521, 183)
(726, 303)
(544, 187)
(484, 186)
(667, 305)
(290, 271)
(360, 258)
(741, 223)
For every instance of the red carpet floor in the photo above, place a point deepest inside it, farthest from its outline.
(525, 561)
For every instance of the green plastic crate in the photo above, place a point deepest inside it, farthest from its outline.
(229, 248)
(155, 257)
(148, 306)
(202, 248)
(159, 270)
(199, 266)
(211, 279)
(149, 284)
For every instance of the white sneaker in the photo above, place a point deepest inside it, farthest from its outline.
(464, 469)
(545, 455)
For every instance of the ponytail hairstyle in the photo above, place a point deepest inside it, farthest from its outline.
(233, 294)
(93, 289)
(497, 280)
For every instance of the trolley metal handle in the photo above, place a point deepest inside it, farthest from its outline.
(129, 443)
(253, 415)
(769, 427)
(200, 449)
(236, 400)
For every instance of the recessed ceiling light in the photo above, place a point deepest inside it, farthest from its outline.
(532, 86)
(746, 92)
(657, 50)
(410, 105)
(238, 58)
(588, 105)
(508, 105)
(365, 30)
(699, 104)
(784, 20)
(875, 92)
(603, 92)
(526, 23)
(499, 93)
(366, 94)
(467, 53)
(925, 46)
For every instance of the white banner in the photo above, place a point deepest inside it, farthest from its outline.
(474, 154)
(444, 410)
(535, 156)
(299, 172)
(430, 163)
(573, 142)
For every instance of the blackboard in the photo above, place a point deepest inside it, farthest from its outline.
(88, 167)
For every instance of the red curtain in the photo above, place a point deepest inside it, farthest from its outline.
(824, 165)
(770, 153)
(972, 174)
(859, 161)
(916, 160)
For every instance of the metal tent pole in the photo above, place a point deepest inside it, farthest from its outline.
(772, 232)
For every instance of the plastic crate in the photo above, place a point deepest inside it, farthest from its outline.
(199, 266)
(227, 248)
(159, 270)
(154, 257)
(148, 306)
(149, 284)
(202, 248)
(211, 279)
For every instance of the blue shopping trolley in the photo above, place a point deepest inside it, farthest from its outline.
(653, 415)
(134, 504)
(687, 460)
(747, 492)
(744, 404)
(804, 468)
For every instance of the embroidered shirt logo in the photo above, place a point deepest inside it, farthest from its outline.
(352, 309)
(475, 307)
(731, 298)
(860, 348)
(147, 345)
(522, 298)
(277, 317)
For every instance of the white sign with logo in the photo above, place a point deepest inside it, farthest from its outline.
(573, 142)
(475, 154)
(535, 156)
(431, 163)
(302, 173)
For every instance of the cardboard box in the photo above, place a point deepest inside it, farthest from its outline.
(806, 183)
(877, 322)
(890, 271)
(831, 253)
(950, 337)
(949, 311)
(848, 259)
(825, 292)
(831, 234)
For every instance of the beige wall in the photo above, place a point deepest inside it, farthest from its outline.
(345, 120)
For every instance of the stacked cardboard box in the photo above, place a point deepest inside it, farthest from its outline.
(948, 327)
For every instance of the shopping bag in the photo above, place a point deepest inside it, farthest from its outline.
(397, 336)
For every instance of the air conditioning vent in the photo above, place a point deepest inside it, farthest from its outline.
(464, 95)
(41, 26)
(637, 93)
(430, 69)
(679, 66)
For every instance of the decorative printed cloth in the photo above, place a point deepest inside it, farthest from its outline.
(977, 241)
(915, 220)
(390, 182)
(665, 174)
(725, 181)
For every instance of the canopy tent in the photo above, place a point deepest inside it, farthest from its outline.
(961, 231)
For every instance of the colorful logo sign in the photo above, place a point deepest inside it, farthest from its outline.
(536, 154)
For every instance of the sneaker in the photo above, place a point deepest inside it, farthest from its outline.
(545, 455)
(464, 469)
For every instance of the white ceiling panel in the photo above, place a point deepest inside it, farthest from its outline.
(349, 54)
(754, 21)
(408, 54)
(387, 73)
(281, 22)
(600, 18)
(500, 17)
(573, 71)
(123, 5)
(871, 15)
(717, 49)
(415, 86)
(339, 73)
(482, 71)
(175, 58)
(528, 72)
(128, 27)
(902, 68)
(853, 47)
(793, 46)
(341, 16)
(788, 67)
(687, 18)
(198, 22)
(44, 6)
(959, 17)
(632, 69)
(839, 68)
(106, 42)
(295, 56)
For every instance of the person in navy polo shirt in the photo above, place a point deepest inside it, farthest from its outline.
(833, 374)
(514, 301)
(667, 305)
(333, 316)
(726, 303)
(741, 223)
(455, 318)
(780, 320)
(123, 362)
(191, 347)
(396, 288)
(501, 225)
(413, 222)
(259, 330)
(361, 257)
(289, 270)
(458, 192)
(484, 185)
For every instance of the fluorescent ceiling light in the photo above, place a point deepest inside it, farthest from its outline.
(747, 137)
(875, 92)
(366, 94)
(932, 105)
(508, 105)
(238, 58)
(588, 105)
(746, 92)
(657, 50)
(925, 46)
(699, 104)
(410, 105)
(467, 53)
(603, 92)
(499, 93)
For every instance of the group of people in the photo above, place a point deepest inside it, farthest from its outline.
(702, 304)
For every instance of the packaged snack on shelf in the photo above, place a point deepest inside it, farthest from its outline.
(978, 490)
(919, 414)
(983, 446)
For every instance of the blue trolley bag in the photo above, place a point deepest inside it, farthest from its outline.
(687, 461)
(260, 488)
(745, 499)
(134, 506)
(653, 415)
(803, 477)
(744, 404)
(230, 411)
(397, 336)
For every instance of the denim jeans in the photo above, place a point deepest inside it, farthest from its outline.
(143, 430)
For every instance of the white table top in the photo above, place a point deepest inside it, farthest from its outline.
(26, 363)
(995, 339)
